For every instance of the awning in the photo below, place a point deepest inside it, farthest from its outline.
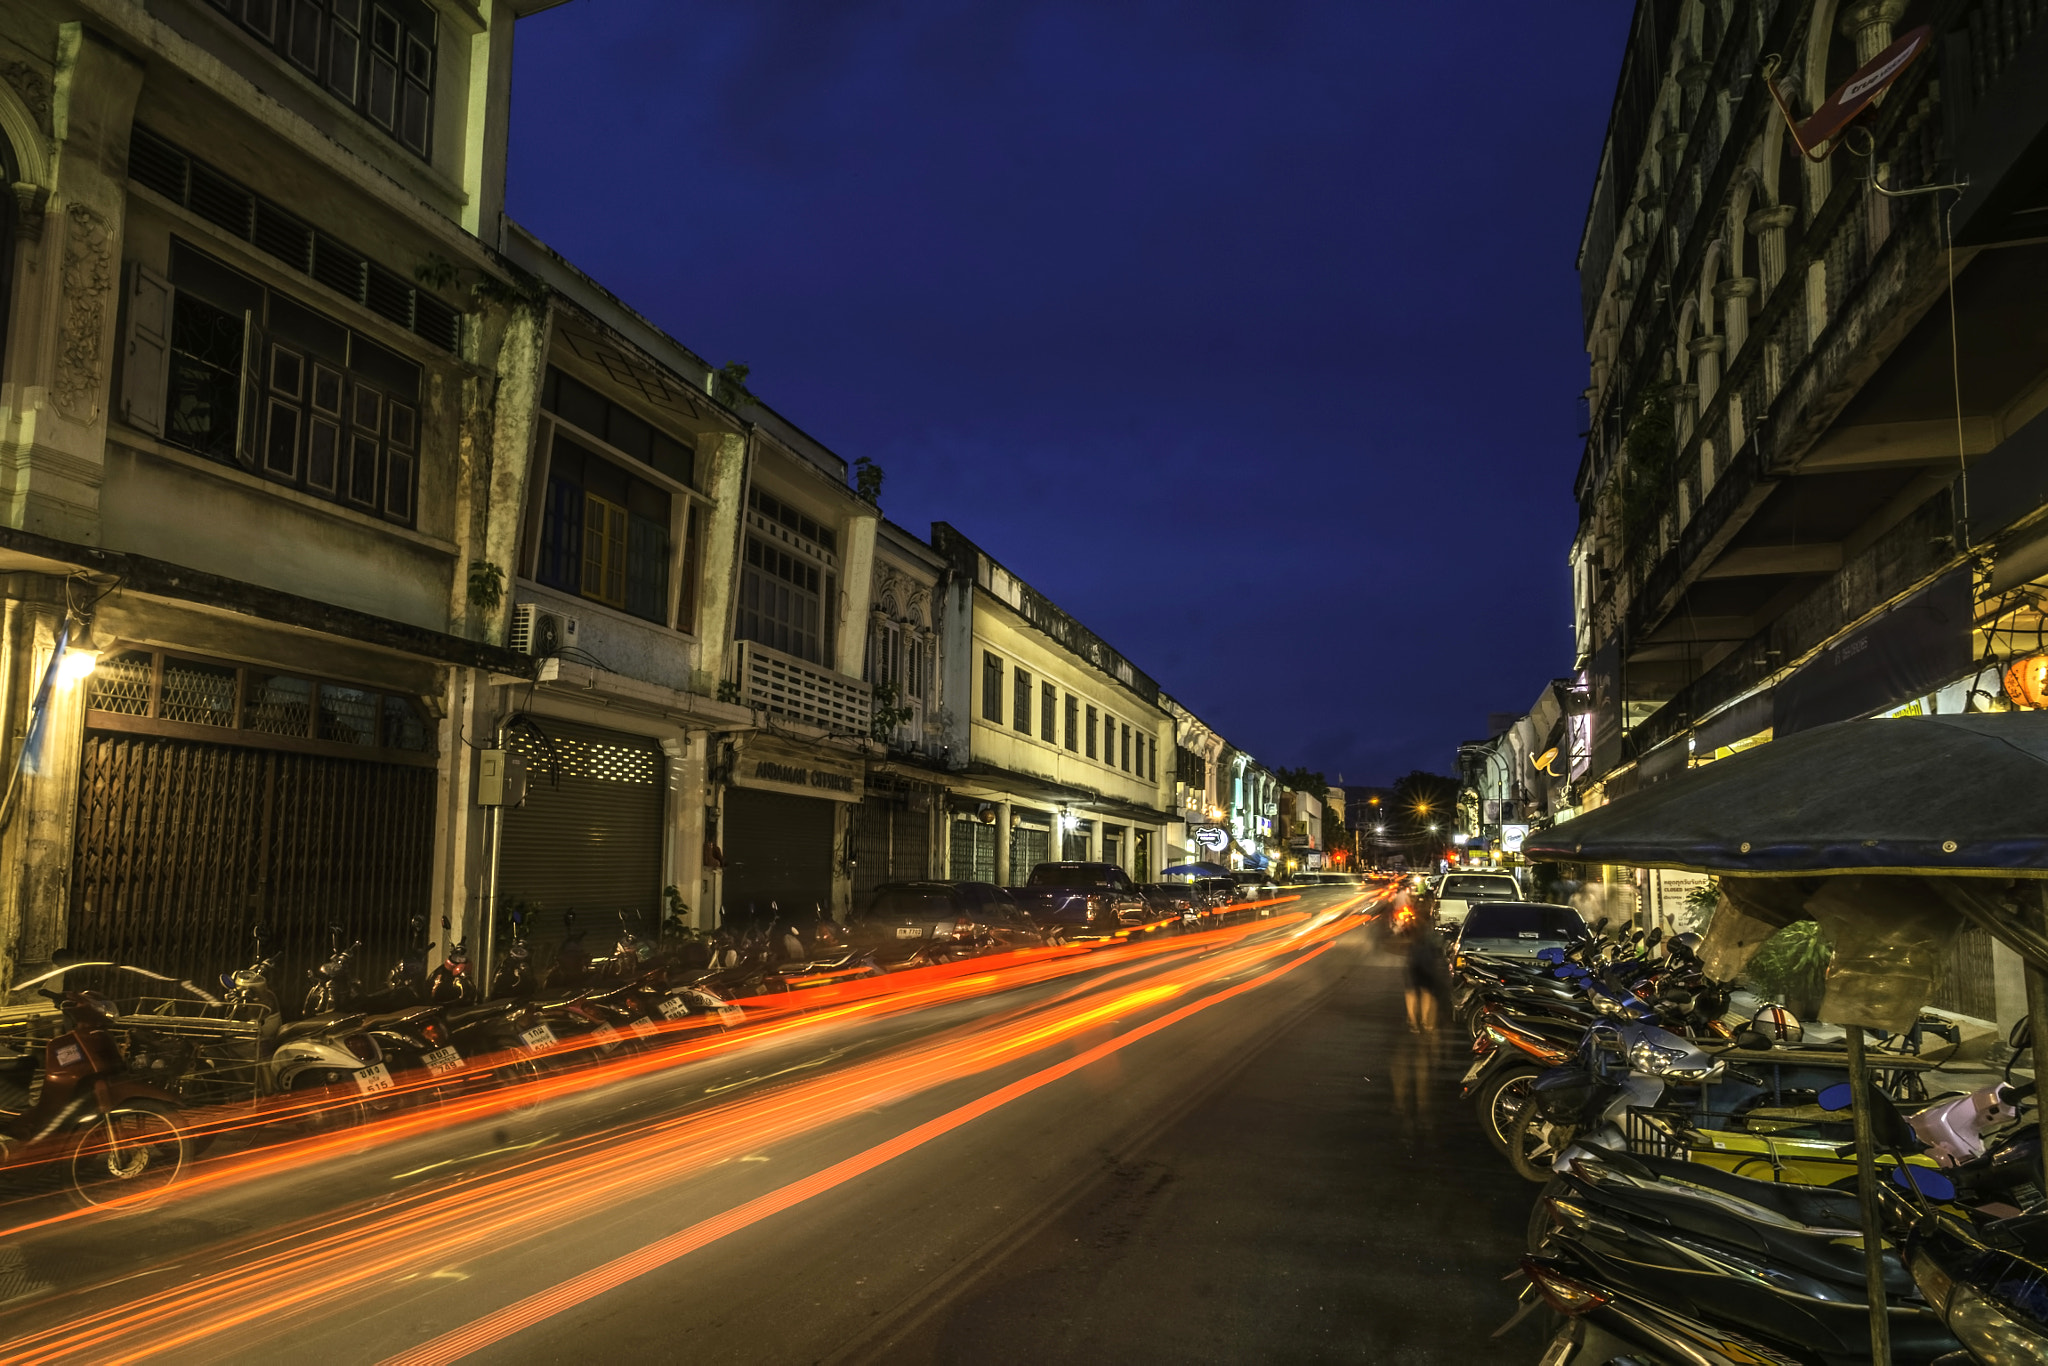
(1916, 647)
(1955, 795)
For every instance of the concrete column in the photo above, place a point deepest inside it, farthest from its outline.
(1768, 226)
(856, 589)
(1707, 355)
(842, 878)
(1003, 844)
(67, 314)
(1734, 295)
(1868, 24)
(722, 475)
(35, 848)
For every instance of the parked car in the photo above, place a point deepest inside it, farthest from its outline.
(1083, 900)
(1253, 885)
(939, 920)
(1452, 895)
(1518, 929)
(1173, 901)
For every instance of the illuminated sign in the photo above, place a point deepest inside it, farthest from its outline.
(1214, 838)
(1511, 837)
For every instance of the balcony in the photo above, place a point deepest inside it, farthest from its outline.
(783, 685)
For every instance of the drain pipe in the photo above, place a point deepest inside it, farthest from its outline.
(495, 831)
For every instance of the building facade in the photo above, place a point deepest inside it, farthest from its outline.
(1813, 487)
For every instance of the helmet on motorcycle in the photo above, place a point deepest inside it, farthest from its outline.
(1778, 1024)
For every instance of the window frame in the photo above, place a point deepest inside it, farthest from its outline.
(1021, 694)
(1048, 712)
(991, 687)
(367, 58)
(1073, 736)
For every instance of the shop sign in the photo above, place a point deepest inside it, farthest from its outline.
(1214, 838)
(807, 775)
(1511, 837)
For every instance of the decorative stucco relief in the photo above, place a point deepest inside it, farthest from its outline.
(88, 288)
(28, 83)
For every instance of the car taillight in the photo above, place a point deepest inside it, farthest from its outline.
(1563, 1293)
(363, 1047)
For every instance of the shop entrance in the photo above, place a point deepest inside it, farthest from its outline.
(778, 847)
(588, 837)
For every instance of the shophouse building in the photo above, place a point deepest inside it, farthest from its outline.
(1815, 478)
(1056, 742)
(899, 828)
(258, 356)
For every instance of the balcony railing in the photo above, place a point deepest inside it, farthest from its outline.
(784, 685)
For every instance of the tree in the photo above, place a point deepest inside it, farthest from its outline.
(1303, 780)
(1422, 800)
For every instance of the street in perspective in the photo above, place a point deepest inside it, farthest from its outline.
(1343, 684)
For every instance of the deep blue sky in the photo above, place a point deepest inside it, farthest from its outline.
(1247, 331)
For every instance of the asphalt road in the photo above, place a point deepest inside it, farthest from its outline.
(1223, 1149)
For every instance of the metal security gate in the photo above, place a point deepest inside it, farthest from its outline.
(974, 851)
(182, 846)
(1964, 976)
(891, 838)
(1030, 845)
(778, 848)
(588, 837)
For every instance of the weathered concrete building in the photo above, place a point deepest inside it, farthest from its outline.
(1815, 478)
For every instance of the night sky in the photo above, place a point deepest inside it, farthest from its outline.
(1247, 332)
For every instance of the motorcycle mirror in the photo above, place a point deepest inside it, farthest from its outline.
(1836, 1097)
(1926, 1180)
(63, 956)
(2022, 1033)
(1655, 937)
(1753, 1039)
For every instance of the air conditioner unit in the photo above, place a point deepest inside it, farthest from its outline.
(541, 631)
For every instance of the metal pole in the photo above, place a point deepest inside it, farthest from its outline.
(1866, 1196)
(2037, 1034)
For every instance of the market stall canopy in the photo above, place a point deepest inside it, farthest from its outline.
(1194, 870)
(1935, 795)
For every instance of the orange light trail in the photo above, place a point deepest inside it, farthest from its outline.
(300, 1270)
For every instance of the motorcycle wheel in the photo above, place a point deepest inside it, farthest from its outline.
(1533, 1142)
(340, 1112)
(1503, 1096)
(128, 1157)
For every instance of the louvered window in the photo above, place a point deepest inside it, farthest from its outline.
(167, 169)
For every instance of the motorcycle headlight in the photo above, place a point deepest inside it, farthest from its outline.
(1991, 1333)
(1647, 1057)
(944, 929)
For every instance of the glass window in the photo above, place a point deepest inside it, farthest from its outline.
(604, 533)
(1048, 713)
(781, 602)
(348, 716)
(1125, 764)
(1091, 732)
(276, 704)
(386, 72)
(1020, 711)
(1073, 722)
(325, 409)
(198, 694)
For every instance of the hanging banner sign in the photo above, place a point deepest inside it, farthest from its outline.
(1214, 838)
(1865, 86)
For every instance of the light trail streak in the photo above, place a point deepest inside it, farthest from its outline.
(303, 1270)
(535, 1309)
(771, 1018)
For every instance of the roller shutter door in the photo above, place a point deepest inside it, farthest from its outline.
(778, 847)
(910, 848)
(588, 837)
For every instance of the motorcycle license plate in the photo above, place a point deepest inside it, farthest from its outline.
(731, 1015)
(910, 932)
(644, 1027)
(538, 1039)
(606, 1036)
(442, 1060)
(1472, 1073)
(672, 1009)
(376, 1077)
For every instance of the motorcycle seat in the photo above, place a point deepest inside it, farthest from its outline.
(459, 1016)
(320, 1024)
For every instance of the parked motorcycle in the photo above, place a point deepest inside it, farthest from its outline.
(109, 1137)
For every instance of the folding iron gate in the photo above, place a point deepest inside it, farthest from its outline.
(181, 846)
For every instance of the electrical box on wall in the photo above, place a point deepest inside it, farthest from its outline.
(490, 777)
(500, 778)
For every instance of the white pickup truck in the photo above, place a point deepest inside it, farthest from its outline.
(1453, 894)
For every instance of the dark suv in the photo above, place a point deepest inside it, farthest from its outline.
(939, 920)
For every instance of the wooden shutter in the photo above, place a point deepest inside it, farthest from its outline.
(604, 551)
(249, 422)
(146, 365)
